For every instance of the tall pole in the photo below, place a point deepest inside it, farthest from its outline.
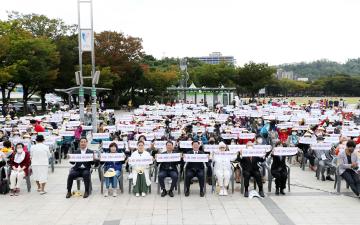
(81, 89)
(93, 89)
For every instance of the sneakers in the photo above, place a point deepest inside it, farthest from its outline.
(225, 192)
(202, 194)
(328, 177)
(163, 193)
(143, 194)
(17, 191)
(106, 192)
(12, 192)
(171, 194)
(221, 192)
(68, 195)
(114, 194)
(137, 195)
(187, 193)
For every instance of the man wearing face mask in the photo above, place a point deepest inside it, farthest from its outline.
(348, 165)
(325, 158)
(81, 169)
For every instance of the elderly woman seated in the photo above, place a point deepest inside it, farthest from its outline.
(19, 163)
(222, 169)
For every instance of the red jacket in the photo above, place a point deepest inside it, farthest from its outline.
(25, 163)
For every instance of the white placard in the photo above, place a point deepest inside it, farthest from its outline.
(81, 157)
(112, 157)
(49, 142)
(45, 134)
(146, 129)
(321, 146)
(224, 155)
(229, 136)
(87, 128)
(266, 147)
(196, 158)
(333, 140)
(246, 136)
(285, 151)
(185, 144)
(66, 133)
(126, 128)
(73, 124)
(143, 160)
(255, 152)
(307, 140)
(86, 37)
(120, 144)
(302, 127)
(237, 130)
(211, 148)
(173, 157)
(352, 133)
(236, 148)
(101, 136)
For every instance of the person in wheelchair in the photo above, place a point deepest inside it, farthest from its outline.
(112, 172)
(19, 163)
(279, 171)
(168, 169)
(222, 170)
(250, 168)
(195, 169)
(81, 169)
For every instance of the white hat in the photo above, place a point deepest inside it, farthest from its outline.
(222, 144)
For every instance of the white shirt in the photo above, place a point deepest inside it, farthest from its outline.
(40, 154)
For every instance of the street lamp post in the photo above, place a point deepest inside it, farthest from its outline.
(184, 75)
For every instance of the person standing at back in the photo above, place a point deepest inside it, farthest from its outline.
(40, 155)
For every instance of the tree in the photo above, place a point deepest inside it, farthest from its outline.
(36, 61)
(252, 77)
(209, 75)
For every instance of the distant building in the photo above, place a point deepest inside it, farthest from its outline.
(217, 58)
(282, 74)
(305, 79)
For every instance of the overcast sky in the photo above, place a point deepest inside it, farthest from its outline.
(272, 31)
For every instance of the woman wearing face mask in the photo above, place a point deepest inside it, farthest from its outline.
(293, 139)
(279, 171)
(222, 169)
(19, 163)
(140, 173)
(348, 165)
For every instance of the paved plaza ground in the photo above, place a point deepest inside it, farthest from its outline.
(309, 202)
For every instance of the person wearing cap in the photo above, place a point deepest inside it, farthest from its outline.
(168, 169)
(19, 163)
(222, 170)
(195, 169)
(283, 135)
(112, 172)
(40, 155)
(348, 165)
(306, 151)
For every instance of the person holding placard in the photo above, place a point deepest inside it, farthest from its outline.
(324, 159)
(112, 172)
(140, 173)
(168, 169)
(250, 168)
(222, 169)
(348, 167)
(81, 169)
(279, 171)
(195, 169)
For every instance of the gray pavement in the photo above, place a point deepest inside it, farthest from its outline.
(309, 202)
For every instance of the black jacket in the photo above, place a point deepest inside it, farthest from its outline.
(195, 165)
(248, 164)
(278, 163)
(168, 166)
(87, 165)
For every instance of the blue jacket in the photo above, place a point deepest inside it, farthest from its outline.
(114, 165)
